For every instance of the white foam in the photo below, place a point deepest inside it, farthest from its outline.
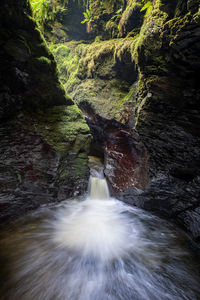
(96, 228)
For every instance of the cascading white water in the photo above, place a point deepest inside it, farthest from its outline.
(98, 188)
(96, 249)
(94, 226)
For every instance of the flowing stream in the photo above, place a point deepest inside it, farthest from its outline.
(96, 248)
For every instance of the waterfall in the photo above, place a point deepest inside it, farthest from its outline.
(98, 188)
(96, 249)
(94, 227)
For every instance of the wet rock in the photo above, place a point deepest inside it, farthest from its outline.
(125, 158)
(33, 172)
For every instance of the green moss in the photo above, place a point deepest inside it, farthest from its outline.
(85, 61)
(61, 52)
(64, 128)
(105, 96)
(67, 63)
(40, 48)
(150, 31)
(57, 34)
(90, 70)
(111, 28)
(93, 56)
(81, 164)
(177, 24)
(124, 46)
(89, 60)
(64, 174)
(44, 60)
(127, 14)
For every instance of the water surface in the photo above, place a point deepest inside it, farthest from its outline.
(96, 249)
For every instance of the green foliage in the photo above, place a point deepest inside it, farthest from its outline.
(45, 10)
(117, 14)
(67, 63)
(44, 60)
(147, 6)
(87, 15)
(51, 46)
(102, 6)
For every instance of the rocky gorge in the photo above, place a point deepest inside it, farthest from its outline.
(99, 150)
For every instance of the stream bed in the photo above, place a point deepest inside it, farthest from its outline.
(96, 248)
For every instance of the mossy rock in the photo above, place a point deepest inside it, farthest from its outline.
(131, 18)
(64, 128)
(108, 98)
(67, 62)
(93, 73)
(61, 52)
(78, 169)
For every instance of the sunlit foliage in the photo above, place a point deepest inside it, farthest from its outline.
(45, 10)
(147, 6)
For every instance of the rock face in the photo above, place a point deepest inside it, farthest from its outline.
(28, 70)
(168, 115)
(44, 137)
(125, 158)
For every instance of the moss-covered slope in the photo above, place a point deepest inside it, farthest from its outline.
(101, 73)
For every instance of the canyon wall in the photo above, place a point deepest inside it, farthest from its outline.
(44, 137)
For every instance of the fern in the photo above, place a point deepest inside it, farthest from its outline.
(87, 14)
(45, 10)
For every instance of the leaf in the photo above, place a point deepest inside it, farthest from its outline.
(84, 21)
(147, 5)
(118, 11)
(148, 10)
